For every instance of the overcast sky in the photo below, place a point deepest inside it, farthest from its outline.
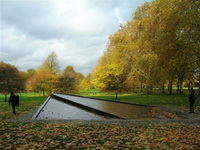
(76, 30)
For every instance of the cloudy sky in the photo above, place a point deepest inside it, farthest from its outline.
(76, 30)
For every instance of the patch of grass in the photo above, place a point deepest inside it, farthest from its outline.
(28, 102)
(180, 101)
(26, 97)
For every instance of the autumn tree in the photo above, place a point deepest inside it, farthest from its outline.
(9, 79)
(51, 63)
(30, 72)
(79, 78)
(89, 80)
(41, 81)
(23, 77)
(45, 77)
(107, 76)
(158, 47)
(175, 53)
(84, 85)
(67, 80)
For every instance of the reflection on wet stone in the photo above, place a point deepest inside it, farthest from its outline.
(72, 107)
(55, 109)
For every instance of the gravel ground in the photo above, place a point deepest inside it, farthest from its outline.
(186, 118)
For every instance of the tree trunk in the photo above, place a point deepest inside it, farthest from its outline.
(43, 92)
(189, 84)
(148, 90)
(141, 87)
(116, 95)
(178, 87)
(170, 88)
(163, 87)
(5, 97)
(151, 88)
(199, 85)
(181, 86)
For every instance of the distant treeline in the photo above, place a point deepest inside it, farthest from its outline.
(47, 78)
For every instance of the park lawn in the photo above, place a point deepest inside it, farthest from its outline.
(28, 101)
(173, 101)
(37, 135)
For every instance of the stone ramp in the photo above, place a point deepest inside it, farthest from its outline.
(74, 107)
(112, 109)
(57, 108)
(87, 113)
(161, 115)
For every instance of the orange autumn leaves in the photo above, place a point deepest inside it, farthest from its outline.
(44, 135)
(98, 136)
(41, 81)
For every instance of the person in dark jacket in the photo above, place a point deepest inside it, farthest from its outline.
(13, 101)
(192, 100)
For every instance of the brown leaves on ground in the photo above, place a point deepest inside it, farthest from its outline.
(37, 135)
(15, 135)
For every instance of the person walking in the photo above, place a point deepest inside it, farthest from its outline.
(192, 100)
(14, 101)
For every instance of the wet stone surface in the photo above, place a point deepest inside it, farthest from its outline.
(55, 109)
(123, 110)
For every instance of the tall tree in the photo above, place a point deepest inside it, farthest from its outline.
(51, 63)
(30, 72)
(67, 80)
(9, 78)
(23, 77)
(108, 76)
(84, 85)
(159, 45)
(89, 80)
(79, 78)
(41, 81)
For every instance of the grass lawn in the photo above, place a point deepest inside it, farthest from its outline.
(175, 101)
(28, 101)
(35, 135)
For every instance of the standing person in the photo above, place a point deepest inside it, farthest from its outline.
(192, 100)
(14, 101)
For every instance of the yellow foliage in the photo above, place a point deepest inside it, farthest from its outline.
(84, 85)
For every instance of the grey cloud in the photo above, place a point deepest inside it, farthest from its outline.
(23, 13)
(105, 5)
(34, 18)
(77, 30)
(39, 19)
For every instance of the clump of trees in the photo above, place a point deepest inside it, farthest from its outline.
(8, 75)
(46, 79)
(159, 47)
(49, 78)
